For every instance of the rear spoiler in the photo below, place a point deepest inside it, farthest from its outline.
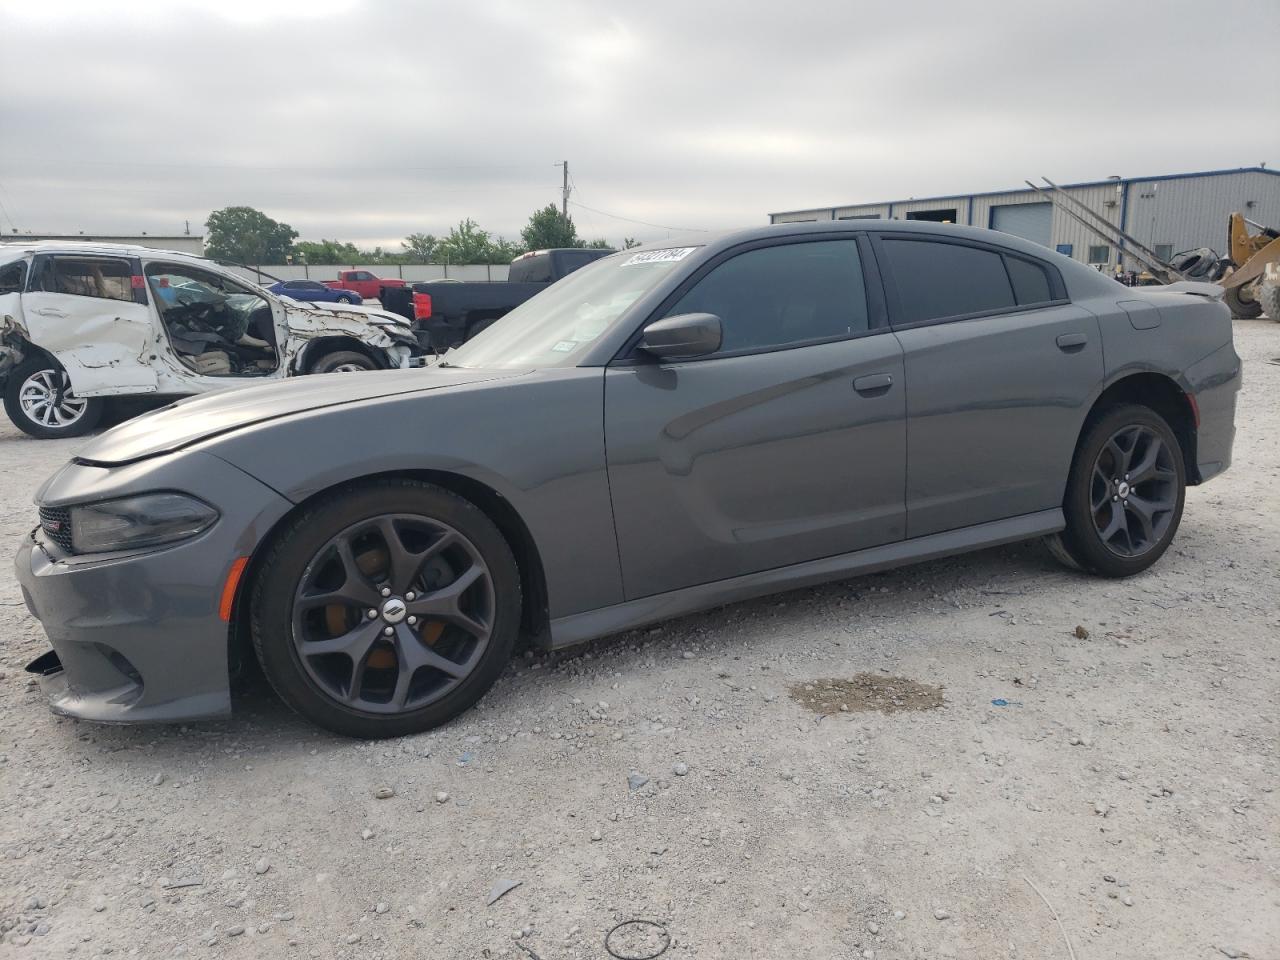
(1197, 288)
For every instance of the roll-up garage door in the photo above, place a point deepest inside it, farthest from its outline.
(1031, 221)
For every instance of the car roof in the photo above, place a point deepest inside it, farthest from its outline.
(17, 249)
(713, 242)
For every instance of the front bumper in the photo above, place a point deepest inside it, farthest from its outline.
(137, 637)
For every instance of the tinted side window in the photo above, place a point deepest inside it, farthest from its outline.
(781, 295)
(81, 277)
(936, 280)
(1030, 281)
(12, 275)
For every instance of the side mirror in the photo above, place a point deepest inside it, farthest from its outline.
(686, 335)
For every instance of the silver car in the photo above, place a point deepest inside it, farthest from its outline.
(668, 429)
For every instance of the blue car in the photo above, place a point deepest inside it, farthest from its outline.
(313, 291)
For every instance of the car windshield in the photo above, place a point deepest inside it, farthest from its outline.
(556, 327)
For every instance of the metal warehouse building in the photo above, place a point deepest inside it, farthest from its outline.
(1170, 213)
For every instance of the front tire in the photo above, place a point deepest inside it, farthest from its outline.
(443, 588)
(1269, 299)
(343, 298)
(1125, 494)
(39, 401)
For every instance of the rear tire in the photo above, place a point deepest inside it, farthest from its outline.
(1241, 308)
(455, 651)
(343, 298)
(343, 361)
(38, 399)
(1125, 494)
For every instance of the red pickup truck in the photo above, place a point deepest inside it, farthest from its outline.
(362, 282)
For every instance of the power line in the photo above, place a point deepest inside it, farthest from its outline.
(645, 223)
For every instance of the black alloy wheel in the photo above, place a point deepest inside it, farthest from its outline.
(386, 609)
(1124, 495)
(393, 613)
(1133, 491)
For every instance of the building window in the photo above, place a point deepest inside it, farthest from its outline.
(1099, 254)
(1164, 251)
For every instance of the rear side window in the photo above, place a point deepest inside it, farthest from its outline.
(85, 277)
(1030, 281)
(938, 280)
(12, 276)
(783, 295)
(533, 270)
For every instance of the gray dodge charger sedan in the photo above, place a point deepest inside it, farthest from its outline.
(669, 428)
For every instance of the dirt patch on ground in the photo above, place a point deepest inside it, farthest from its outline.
(864, 692)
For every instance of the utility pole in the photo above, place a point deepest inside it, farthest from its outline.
(564, 190)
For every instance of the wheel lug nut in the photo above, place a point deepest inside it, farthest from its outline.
(385, 591)
(1126, 503)
(412, 621)
(388, 631)
(1126, 476)
(373, 614)
(1114, 498)
(410, 595)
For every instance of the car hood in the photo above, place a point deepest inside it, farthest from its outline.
(199, 418)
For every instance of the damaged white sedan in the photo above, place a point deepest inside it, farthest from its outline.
(82, 322)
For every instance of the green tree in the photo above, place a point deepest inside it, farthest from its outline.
(321, 252)
(420, 247)
(600, 244)
(504, 251)
(629, 242)
(247, 235)
(466, 243)
(549, 229)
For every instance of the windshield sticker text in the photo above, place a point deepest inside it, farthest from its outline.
(669, 255)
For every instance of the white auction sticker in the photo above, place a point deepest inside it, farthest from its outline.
(670, 255)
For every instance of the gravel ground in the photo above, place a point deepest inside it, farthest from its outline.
(688, 774)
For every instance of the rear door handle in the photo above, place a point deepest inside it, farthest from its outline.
(49, 312)
(1072, 341)
(873, 383)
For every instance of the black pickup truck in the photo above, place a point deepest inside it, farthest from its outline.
(446, 313)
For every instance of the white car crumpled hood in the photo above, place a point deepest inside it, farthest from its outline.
(308, 320)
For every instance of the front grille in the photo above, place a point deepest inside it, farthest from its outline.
(56, 524)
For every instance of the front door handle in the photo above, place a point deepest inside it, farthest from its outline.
(50, 312)
(873, 383)
(1072, 341)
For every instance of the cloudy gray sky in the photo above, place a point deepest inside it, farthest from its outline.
(365, 120)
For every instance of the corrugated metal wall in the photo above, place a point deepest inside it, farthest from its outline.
(1183, 212)
(1193, 213)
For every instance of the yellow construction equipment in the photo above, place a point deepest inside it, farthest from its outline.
(1252, 286)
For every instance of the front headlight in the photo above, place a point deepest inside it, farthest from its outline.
(130, 523)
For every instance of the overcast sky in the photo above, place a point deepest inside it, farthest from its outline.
(365, 121)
